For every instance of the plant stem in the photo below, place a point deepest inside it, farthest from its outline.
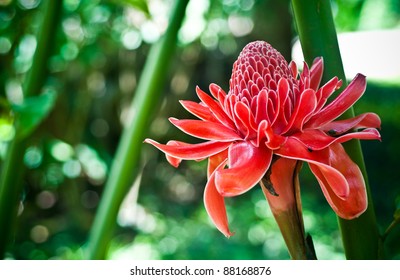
(13, 167)
(316, 29)
(283, 196)
(126, 163)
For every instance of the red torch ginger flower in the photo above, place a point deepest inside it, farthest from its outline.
(271, 118)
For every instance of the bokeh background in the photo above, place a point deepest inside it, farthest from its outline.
(100, 50)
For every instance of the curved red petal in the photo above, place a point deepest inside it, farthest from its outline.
(215, 160)
(341, 103)
(190, 151)
(366, 134)
(173, 160)
(293, 149)
(279, 122)
(215, 205)
(243, 114)
(229, 104)
(198, 110)
(303, 109)
(282, 173)
(215, 108)
(326, 91)
(206, 130)
(265, 132)
(316, 71)
(261, 106)
(367, 120)
(305, 77)
(316, 139)
(293, 68)
(218, 93)
(355, 203)
(247, 165)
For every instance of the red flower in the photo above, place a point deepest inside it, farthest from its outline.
(271, 111)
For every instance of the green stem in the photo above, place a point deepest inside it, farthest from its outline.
(12, 167)
(10, 191)
(283, 197)
(316, 29)
(126, 163)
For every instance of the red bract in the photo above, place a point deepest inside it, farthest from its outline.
(272, 111)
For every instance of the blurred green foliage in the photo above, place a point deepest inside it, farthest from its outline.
(100, 51)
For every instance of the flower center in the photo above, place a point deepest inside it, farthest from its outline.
(254, 83)
(259, 66)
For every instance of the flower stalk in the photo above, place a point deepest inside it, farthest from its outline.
(126, 164)
(283, 194)
(317, 33)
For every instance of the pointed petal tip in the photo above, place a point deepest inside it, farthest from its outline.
(318, 59)
(148, 141)
(361, 76)
(175, 162)
(293, 69)
(214, 86)
(318, 63)
(215, 204)
(359, 80)
(338, 84)
(198, 89)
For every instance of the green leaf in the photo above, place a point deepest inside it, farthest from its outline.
(140, 5)
(32, 112)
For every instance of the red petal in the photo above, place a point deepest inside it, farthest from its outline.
(173, 160)
(282, 172)
(366, 134)
(215, 108)
(316, 139)
(280, 121)
(246, 118)
(293, 69)
(292, 149)
(303, 109)
(215, 204)
(367, 120)
(356, 201)
(247, 165)
(326, 91)
(198, 110)
(273, 141)
(230, 101)
(206, 130)
(273, 106)
(218, 93)
(305, 77)
(316, 71)
(343, 102)
(190, 151)
(261, 106)
(215, 160)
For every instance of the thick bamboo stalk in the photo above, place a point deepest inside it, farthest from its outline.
(317, 33)
(13, 168)
(126, 163)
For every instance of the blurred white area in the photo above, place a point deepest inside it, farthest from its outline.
(375, 54)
